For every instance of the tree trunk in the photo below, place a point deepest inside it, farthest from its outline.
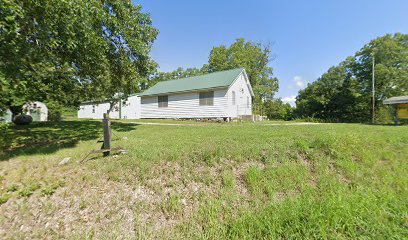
(107, 134)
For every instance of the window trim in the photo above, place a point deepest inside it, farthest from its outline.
(206, 98)
(163, 101)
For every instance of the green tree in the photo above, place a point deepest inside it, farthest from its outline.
(391, 69)
(68, 51)
(254, 57)
(343, 93)
(176, 74)
(277, 110)
(332, 96)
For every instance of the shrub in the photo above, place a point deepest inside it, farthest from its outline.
(54, 112)
(3, 127)
(22, 119)
(54, 116)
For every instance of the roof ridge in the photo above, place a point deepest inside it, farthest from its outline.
(201, 75)
(215, 80)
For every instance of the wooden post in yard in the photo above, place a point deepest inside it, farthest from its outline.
(395, 106)
(106, 134)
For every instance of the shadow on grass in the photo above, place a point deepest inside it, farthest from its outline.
(48, 137)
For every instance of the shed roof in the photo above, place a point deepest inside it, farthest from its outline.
(396, 100)
(207, 81)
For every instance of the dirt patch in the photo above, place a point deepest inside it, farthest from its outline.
(342, 178)
(305, 161)
(81, 209)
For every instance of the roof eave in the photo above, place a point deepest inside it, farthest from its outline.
(186, 91)
(248, 82)
(396, 100)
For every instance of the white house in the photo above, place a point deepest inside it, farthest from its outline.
(125, 109)
(225, 94)
(37, 110)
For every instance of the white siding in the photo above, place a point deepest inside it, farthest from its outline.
(242, 95)
(130, 110)
(93, 110)
(186, 105)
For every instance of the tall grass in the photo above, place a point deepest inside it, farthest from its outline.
(221, 181)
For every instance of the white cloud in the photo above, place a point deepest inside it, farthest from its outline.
(290, 99)
(299, 82)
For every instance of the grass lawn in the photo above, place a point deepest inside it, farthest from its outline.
(218, 181)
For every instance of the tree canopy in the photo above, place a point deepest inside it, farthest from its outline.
(176, 74)
(278, 110)
(68, 51)
(254, 57)
(343, 93)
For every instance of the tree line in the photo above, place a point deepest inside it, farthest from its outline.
(344, 92)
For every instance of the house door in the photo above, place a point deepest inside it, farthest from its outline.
(36, 115)
(241, 106)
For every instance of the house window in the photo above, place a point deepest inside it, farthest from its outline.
(206, 98)
(233, 97)
(93, 108)
(248, 102)
(163, 101)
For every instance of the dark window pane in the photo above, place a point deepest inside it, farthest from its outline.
(206, 98)
(163, 101)
(210, 99)
(202, 98)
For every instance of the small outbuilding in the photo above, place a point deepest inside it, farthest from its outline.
(37, 110)
(400, 105)
(6, 116)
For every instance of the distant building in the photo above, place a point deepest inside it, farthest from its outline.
(400, 105)
(225, 94)
(37, 110)
(129, 109)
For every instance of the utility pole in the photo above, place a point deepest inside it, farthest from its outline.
(373, 89)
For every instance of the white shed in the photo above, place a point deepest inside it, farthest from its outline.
(225, 94)
(37, 110)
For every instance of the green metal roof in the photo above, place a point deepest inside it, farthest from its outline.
(396, 100)
(207, 81)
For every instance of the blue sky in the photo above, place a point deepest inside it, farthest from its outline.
(308, 37)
